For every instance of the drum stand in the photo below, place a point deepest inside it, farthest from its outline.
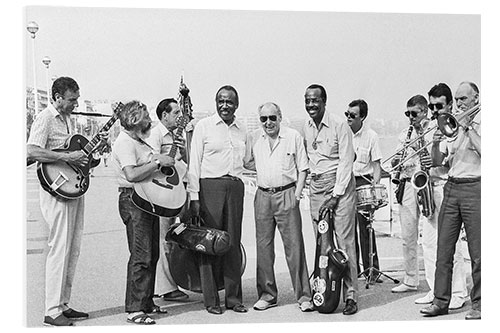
(371, 273)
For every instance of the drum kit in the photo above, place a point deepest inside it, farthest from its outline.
(370, 198)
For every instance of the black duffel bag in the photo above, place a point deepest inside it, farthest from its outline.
(196, 237)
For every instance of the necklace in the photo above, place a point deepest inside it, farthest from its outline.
(315, 142)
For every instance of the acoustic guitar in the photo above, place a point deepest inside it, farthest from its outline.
(163, 192)
(68, 181)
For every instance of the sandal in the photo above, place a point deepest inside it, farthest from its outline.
(141, 319)
(158, 309)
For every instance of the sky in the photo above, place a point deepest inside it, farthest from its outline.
(134, 53)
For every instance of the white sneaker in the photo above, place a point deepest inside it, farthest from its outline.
(428, 298)
(456, 303)
(263, 305)
(403, 288)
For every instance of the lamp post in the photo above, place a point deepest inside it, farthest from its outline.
(32, 29)
(46, 61)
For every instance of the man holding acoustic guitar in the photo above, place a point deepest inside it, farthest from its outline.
(64, 216)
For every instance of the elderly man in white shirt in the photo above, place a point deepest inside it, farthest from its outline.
(217, 193)
(278, 155)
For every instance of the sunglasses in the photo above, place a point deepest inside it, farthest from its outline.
(351, 115)
(263, 119)
(414, 114)
(438, 106)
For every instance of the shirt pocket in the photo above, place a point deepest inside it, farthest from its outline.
(288, 161)
(363, 155)
(328, 146)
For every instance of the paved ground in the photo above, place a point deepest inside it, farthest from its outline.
(99, 286)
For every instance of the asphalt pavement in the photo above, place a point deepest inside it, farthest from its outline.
(99, 286)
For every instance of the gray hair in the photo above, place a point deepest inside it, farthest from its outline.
(276, 106)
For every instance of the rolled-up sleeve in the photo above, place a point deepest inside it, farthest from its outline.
(302, 160)
(346, 158)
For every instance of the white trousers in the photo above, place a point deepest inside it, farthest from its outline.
(65, 221)
(164, 282)
(409, 216)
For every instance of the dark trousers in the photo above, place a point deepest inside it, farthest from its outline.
(361, 224)
(221, 201)
(461, 204)
(143, 243)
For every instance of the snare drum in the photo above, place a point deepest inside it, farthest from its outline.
(371, 197)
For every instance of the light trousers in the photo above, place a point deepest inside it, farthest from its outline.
(164, 281)
(65, 222)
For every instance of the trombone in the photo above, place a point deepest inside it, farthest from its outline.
(447, 123)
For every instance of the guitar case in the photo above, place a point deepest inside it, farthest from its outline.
(185, 256)
(330, 266)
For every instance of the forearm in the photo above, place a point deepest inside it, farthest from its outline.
(44, 155)
(301, 181)
(136, 174)
(377, 172)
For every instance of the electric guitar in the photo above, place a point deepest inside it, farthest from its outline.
(68, 181)
(163, 193)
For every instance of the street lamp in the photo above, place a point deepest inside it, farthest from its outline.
(32, 29)
(46, 62)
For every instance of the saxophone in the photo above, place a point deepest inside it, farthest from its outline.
(421, 182)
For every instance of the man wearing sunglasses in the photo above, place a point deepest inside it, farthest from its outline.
(366, 170)
(331, 155)
(461, 206)
(278, 155)
(409, 209)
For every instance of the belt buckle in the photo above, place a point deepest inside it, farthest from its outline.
(273, 190)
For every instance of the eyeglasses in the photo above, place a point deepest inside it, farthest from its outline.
(414, 114)
(263, 119)
(351, 115)
(438, 106)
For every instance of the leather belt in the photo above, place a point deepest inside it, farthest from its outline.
(125, 189)
(229, 177)
(464, 180)
(276, 189)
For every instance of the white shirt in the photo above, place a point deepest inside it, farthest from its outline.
(279, 165)
(334, 151)
(50, 129)
(216, 150)
(367, 149)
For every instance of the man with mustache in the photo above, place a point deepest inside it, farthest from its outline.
(134, 160)
(216, 194)
(329, 148)
(277, 154)
(461, 205)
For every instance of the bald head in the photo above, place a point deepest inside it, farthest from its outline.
(467, 96)
(270, 118)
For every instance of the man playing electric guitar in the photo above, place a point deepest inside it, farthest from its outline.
(50, 130)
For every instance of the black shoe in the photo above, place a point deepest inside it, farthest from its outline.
(240, 308)
(73, 314)
(216, 309)
(175, 295)
(57, 321)
(350, 307)
(433, 310)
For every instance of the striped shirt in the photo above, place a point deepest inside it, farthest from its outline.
(279, 165)
(465, 161)
(330, 149)
(50, 129)
(216, 150)
(367, 149)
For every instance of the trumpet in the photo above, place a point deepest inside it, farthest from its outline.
(447, 123)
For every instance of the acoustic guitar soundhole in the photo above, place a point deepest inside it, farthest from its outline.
(167, 171)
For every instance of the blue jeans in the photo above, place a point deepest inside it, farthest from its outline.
(461, 204)
(143, 243)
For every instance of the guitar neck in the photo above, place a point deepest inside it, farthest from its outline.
(89, 147)
(173, 150)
